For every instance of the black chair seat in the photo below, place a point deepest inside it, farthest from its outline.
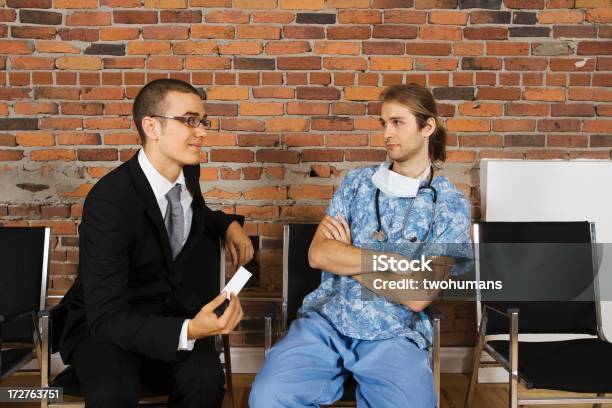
(12, 358)
(150, 387)
(350, 389)
(581, 365)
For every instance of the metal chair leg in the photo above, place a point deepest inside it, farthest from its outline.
(228, 368)
(513, 374)
(476, 364)
(599, 394)
(436, 359)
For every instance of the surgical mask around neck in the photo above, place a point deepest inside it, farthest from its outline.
(393, 184)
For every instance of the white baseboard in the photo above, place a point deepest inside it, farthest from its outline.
(249, 360)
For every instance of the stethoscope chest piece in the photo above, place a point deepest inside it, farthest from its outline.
(380, 236)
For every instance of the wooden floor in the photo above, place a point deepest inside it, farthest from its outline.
(453, 392)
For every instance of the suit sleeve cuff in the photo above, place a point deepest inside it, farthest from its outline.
(184, 342)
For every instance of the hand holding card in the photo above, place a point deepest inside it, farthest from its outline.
(234, 286)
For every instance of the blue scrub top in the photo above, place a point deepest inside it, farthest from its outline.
(341, 300)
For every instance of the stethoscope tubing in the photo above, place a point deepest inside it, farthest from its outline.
(380, 235)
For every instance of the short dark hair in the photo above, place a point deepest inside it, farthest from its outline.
(151, 100)
(422, 104)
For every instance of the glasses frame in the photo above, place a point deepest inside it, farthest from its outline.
(190, 121)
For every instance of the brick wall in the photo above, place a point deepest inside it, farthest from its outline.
(292, 88)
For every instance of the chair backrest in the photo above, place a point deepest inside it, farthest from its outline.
(547, 272)
(299, 279)
(24, 254)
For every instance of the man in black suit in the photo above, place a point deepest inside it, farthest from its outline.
(143, 304)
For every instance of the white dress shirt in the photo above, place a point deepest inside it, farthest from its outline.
(161, 186)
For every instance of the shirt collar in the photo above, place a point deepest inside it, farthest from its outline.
(159, 183)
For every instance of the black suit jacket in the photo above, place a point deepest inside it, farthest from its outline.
(129, 291)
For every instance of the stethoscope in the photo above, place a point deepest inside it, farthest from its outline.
(379, 234)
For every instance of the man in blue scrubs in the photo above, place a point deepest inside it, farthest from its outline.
(381, 337)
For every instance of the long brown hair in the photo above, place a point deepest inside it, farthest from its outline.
(422, 104)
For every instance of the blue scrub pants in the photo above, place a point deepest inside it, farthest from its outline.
(309, 365)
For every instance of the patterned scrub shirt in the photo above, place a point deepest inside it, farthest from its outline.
(341, 300)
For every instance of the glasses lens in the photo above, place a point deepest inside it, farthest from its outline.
(193, 121)
(206, 123)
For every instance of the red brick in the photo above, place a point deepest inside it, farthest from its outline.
(257, 211)
(539, 94)
(52, 155)
(311, 192)
(597, 126)
(435, 64)
(44, 33)
(11, 155)
(102, 93)
(480, 141)
(273, 92)
(448, 17)
(359, 17)
(337, 47)
(467, 125)
(88, 18)
(306, 108)
(440, 33)
(395, 31)
(303, 32)
(560, 17)
(287, 125)
(27, 108)
(358, 64)
(480, 109)
(210, 31)
(278, 156)
(405, 17)
(428, 49)
(272, 17)
(498, 93)
(571, 141)
(266, 193)
(303, 212)
(302, 139)
(513, 125)
(231, 155)
(16, 47)
(287, 47)
(165, 33)
(260, 32)
(321, 155)
(335, 140)
(256, 139)
(507, 48)
(301, 63)
(78, 138)
(348, 32)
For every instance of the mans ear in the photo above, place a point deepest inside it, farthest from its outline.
(151, 128)
(429, 128)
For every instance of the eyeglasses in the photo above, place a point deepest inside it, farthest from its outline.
(191, 121)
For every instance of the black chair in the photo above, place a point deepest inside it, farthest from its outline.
(299, 279)
(548, 270)
(153, 391)
(24, 253)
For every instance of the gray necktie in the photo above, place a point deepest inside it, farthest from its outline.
(174, 219)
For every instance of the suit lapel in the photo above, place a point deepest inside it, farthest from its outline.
(144, 191)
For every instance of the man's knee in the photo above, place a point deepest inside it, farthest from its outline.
(111, 394)
(264, 391)
(199, 378)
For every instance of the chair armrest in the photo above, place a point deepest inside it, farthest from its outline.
(14, 316)
(508, 313)
(269, 315)
(434, 313)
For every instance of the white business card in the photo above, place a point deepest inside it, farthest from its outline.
(237, 282)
